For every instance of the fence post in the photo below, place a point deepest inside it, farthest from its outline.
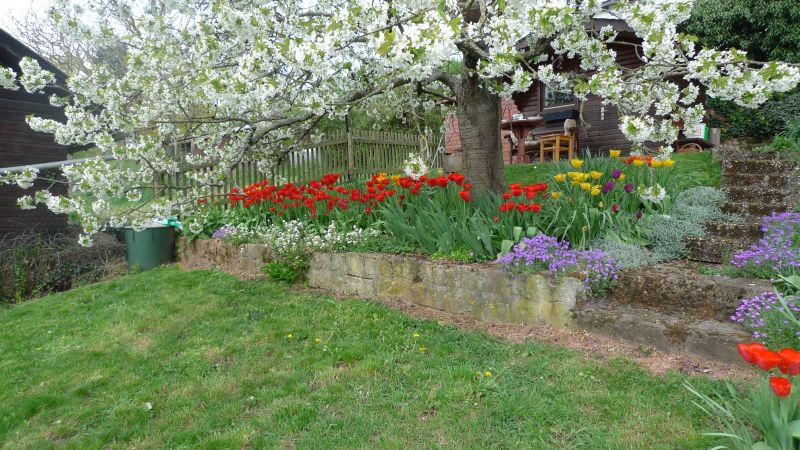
(350, 157)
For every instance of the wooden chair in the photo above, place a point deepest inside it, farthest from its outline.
(556, 144)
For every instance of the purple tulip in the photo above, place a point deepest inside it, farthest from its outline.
(638, 215)
(629, 188)
(616, 174)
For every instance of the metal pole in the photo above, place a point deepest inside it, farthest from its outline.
(52, 165)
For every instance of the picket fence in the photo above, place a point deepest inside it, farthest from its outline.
(356, 156)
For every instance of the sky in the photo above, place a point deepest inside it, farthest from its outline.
(18, 9)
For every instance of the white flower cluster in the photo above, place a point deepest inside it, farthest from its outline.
(295, 237)
(24, 179)
(34, 78)
(654, 194)
(414, 166)
(8, 79)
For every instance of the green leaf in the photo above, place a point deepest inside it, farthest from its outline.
(794, 429)
(761, 445)
(501, 5)
(517, 233)
(388, 42)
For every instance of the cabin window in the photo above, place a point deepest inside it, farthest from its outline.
(553, 97)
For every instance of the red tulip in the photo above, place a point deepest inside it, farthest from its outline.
(781, 386)
(790, 361)
(506, 195)
(767, 359)
(465, 196)
(748, 351)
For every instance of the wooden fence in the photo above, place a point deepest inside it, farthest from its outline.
(356, 156)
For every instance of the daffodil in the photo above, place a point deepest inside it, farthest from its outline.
(560, 177)
(615, 153)
(656, 163)
(576, 163)
(638, 162)
(669, 162)
(555, 195)
(596, 175)
(586, 186)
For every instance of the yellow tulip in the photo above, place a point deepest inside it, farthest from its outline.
(601, 205)
(575, 182)
(586, 186)
(596, 190)
(576, 163)
(555, 195)
(560, 177)
(669, 162)
(584, 176)
(638, 162)
(615, 153)
(621, 177)
(395, 178)
(439, 172)
(596, 175)
(656, 163)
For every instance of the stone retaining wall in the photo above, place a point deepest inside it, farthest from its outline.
(245, 260)
(482, 291)
(478, 290)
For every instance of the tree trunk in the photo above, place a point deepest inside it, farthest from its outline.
(478, 113)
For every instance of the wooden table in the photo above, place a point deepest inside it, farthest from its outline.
(520, 128)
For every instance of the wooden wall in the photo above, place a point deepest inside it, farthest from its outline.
(601, 132)
(20, 145)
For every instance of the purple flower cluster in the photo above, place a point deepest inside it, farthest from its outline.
(224, 231)
(779, 249)
(547, 253)
(762, 315)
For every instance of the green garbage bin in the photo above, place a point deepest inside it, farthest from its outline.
(150, 247)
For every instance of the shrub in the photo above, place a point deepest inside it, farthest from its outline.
(626, 255)
(281, 272)
(33, 264)
(666, 235)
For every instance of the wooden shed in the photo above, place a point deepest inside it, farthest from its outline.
(20, 145)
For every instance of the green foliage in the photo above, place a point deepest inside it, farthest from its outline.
(281, 272)
(627, 255)
(32, 264)
(767, 30)
(777, 420)
(787, 143)
(189, 341)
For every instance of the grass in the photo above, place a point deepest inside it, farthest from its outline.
(691, 169)
(173, 359)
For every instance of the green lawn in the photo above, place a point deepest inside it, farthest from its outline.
(225, 363)
(691, 169)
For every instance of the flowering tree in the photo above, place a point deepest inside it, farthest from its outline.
(248, 80)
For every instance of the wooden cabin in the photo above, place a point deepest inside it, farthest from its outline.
(20, 145)
(596, 126)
